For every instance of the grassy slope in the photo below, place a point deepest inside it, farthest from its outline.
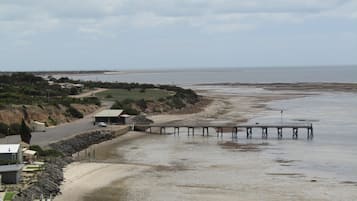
(134, 94)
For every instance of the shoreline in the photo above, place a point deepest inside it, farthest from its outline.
(241, 107)
(349, 87)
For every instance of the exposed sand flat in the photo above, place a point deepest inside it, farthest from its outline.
(83, 178)
(195, 168)
(230, 107)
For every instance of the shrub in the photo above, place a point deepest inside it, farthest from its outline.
(15, 129)
(25, 132)
(131, 111)
(142, 104)
(176, 102)
(46, 152)
(117, 105)
(4, 129)
(91, 100)
(74, 112)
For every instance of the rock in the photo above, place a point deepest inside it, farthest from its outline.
(49, 181)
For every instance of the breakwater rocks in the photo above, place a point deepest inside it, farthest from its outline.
(82, 141)
(49, 181)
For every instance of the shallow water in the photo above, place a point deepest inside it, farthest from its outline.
(200, 168)
(333, 151)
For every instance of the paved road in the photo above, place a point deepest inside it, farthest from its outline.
(56, 133)
(59, 132)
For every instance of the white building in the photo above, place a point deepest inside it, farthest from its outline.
(10, 163)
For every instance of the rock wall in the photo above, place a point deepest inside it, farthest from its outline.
(50, 179)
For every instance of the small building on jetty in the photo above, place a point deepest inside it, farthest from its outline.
(111, 117)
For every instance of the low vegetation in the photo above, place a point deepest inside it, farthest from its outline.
(133, 94)
(9, 196)
(29, 97)
(46, 153)
(26, 96)
(158, 99)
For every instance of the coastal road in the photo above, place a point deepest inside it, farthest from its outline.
(55, 133)
(59, 132)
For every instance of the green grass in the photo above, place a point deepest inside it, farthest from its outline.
(9, 196)
(134, 94)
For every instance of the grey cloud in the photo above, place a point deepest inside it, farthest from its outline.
(198, 13)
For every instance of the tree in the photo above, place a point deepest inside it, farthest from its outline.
(25, 132)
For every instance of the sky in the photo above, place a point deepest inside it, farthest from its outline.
(165, 34)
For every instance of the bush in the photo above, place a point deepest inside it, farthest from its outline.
(74, 112)
(176, 102)
(46, 152)
(126, 105)
(117, 105)
(131, 111)
(25, 132)
(15, 129)
(4, 129)
(91, 100)
(142, 104)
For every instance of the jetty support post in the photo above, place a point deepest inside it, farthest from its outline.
(177, 129)
(280, 132)
(249, 132)
(190, 128)
(205, 130)
(234, 132)
(295, 133)
(264, 132)
(219, 130)
(163, 130)
(310, 132)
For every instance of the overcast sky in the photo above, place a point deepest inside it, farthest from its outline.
(145, 34)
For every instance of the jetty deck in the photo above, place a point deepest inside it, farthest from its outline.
(220, 129)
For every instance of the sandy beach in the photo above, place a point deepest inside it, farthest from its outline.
(137, 166)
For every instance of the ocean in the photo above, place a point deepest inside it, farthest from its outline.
(324, 168)
(243, 75)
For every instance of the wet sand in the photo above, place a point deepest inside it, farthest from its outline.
(153, 167)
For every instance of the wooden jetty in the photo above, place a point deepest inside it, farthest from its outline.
(220, 129)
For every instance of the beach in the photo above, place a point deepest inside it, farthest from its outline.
(138, 166)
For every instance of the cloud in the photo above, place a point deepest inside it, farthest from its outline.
(97, 16)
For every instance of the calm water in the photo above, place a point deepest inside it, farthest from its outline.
(203, 170)
(246, 75)
(333, 151)
(206, 171)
